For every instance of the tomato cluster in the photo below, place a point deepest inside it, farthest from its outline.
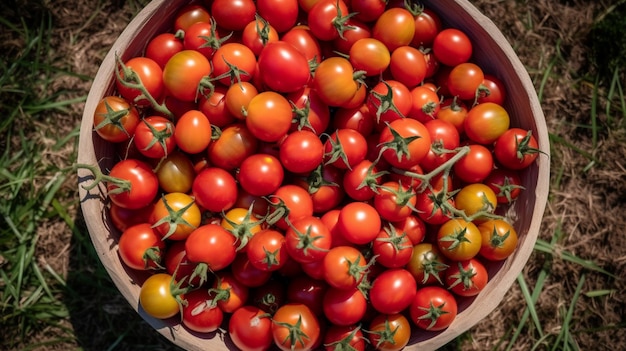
(311, 172)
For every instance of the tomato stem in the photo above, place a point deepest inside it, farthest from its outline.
(133, 81)
(122, 185)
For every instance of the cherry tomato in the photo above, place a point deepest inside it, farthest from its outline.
(453, 111)
(301, 152)
(176, 173)
(281, 14)
(408, 66)
(427, 264)
(309, 111)
(427, 26)
(200, 314)
(327, 18)
(389, 332)
(464, 80)
(425, 104)
(345, 148)
(393, 248)
(140, 184)
(305, 42)
(233, 14)
(492, 90)
(295, 327)
(389, 100)
(175, 216)
(308, 291)
(267, 250)
(159, 297)
(214, 189)
(516, 149)
(476, 165)
(486, 122)
(474, 199)
(288, 204)
(505, 183)
(202, 244)
(434, 308)
(445, 139)
(362, 181)
(466, 278)
(392, 291)
(190, 14)
(257, 34)
(250, 328)
(458, 239)
(230, 294)
(115, 120)
(308, 239)
(370, 55)
(395, 28)
(178, 265)
(334, 81)
(269, 116)
(144, 71)
(247, 274)
(193, 132)
(452, 47)
(183, 72)
(202, 37)
(283, 68)
(344, 267)
(214, 107)
(141, 248)
(260, 174)
(405, 142)
(499, 239)
(233, 63)
(359, 222)
(344, 307)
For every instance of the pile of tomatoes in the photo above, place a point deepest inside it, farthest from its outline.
(311, 173)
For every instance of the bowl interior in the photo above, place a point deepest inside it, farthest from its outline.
(492, 52)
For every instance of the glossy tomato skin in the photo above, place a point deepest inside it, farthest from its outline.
(431, 298)
(176, 173)
(427, 26)
(267, 250)
(269, 116)
(190, 14)
(115, 119)
(308, 239)
(214, 107)
(301, 152)
(199, 314)
(281, 14)
(321, 17)
(466, 278)
(474, 198)
(143, 182)
(178, 265)
(175, 216)
(247, 274)
(476, 165)
(334, 81)
(408, 66)
(395, 326)
(237, 55)
(493, 90)
(305, 42)
(337, 263)
(395, 27)
(427, 265)
(351, 335)
(250, 328)
(296, 199)
(233, 14)
(283, 68)
(451, 47)
(192, 132)
(234, 145)
(458, 239)
(162, 47)
(370, 55)
(486, 122)
(364, 173)
(344, 307)
(294, 315)
(392, 247)
(141, 248)
(260, 174)
(215, 189)
(505, 183)
(516, 149)
(359, 222)
(464, 80)
(499, 239)
(183, 72)
(257, 34)
(445, 139)
(154, 137)
(207, 240)
(156, 296)
(405, 154)
(309, 111)
(388, 101)
(146, 71)
(345, 148)
(425, 104)
(392, 291)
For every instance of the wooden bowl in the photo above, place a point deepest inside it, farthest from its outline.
(493, 54)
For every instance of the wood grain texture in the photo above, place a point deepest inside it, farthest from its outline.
(492, 52)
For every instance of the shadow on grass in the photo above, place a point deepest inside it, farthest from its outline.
(101, 318)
